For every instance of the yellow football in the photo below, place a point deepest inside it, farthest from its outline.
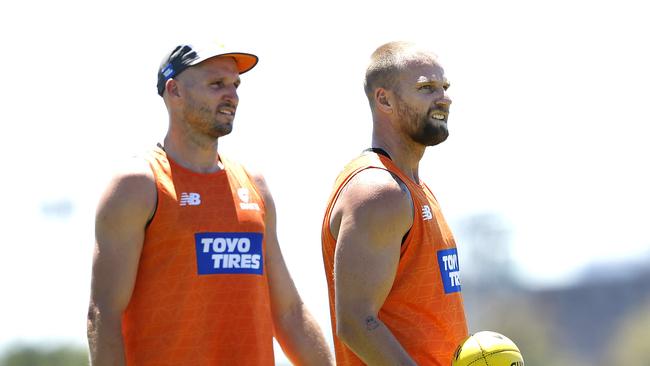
(487, 349)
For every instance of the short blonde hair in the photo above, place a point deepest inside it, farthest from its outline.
(388, 61)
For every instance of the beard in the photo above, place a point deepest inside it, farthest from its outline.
(420, 126)
(207, 121)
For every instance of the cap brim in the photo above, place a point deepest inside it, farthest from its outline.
(245, 61)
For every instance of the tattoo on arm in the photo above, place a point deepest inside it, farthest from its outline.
(371, 323)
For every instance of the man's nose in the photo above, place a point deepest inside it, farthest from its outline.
(444, 101)
(231, 95)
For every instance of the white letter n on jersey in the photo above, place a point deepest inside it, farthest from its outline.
(192, 199)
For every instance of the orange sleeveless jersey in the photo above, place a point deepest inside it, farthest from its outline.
(424, 309)
(201, 294)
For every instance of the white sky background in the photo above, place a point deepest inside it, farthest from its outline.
(549, 126)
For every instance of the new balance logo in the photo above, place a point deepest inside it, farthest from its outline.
(426, 213)
(192, 199)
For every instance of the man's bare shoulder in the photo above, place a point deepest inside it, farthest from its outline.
(132, 187)
(376, 186)
(376, 200)
(135, 174)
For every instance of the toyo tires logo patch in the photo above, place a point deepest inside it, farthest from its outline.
(449, 270)
(229, 253)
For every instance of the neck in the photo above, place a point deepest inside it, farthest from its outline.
(406, 154)
(195, 154)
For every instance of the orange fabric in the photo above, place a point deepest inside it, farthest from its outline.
(185, 308)
(424, 309)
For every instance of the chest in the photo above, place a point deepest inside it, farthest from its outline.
(220, 202)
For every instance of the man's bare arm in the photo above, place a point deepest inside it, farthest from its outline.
(369, 220)
(122, 215)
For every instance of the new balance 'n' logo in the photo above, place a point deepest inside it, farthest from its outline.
(192, 199)
(426, 213)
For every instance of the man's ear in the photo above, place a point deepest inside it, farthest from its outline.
(382, 100)
(171, 87)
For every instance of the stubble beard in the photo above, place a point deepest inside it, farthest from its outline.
(206, 121)
(421, 128)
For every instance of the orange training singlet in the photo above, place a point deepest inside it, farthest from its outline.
(201, 295)
(424, 309)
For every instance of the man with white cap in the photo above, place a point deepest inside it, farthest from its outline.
(187, 267)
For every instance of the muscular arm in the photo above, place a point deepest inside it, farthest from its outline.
(369, 220)
(296, 330)
(120, 221)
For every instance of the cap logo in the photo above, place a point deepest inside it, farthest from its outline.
(168, 71)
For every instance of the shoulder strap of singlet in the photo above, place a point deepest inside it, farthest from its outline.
(151, 159)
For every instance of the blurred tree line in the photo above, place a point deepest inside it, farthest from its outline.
(37, 355)
(536, 320)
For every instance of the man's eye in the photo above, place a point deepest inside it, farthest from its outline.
(426, 87)
(218, 84)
